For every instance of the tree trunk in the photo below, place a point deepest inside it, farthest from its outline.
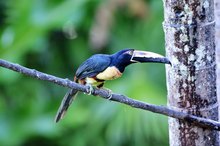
(217, 42)
(191, 81)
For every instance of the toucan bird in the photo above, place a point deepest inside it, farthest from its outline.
(101, 67)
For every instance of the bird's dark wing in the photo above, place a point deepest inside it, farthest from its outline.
(92, 66)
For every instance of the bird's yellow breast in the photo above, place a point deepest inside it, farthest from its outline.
(109, 73)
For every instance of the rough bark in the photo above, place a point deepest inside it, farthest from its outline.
(217, 42)
(191, 81)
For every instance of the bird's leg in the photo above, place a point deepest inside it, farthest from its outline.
(109, 96)
(90, 89)
(109, 91)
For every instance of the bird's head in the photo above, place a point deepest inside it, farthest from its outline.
(123, 58)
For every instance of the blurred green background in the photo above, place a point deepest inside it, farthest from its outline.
(55, 36)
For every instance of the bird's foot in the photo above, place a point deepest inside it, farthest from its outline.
(89, 90)
(109, 96)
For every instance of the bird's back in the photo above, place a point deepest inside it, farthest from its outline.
(93, 65)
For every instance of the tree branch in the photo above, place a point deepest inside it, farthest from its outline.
(202, 122)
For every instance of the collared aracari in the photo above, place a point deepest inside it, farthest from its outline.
(101, 67)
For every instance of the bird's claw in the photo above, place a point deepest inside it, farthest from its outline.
(109, 96)
(89, 90)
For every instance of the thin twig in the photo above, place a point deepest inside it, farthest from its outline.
(198, 121)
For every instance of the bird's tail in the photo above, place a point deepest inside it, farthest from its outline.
(67, 100)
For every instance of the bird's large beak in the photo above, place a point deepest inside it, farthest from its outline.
(144, 56)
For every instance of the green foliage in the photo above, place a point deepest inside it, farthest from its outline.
(55, 37)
